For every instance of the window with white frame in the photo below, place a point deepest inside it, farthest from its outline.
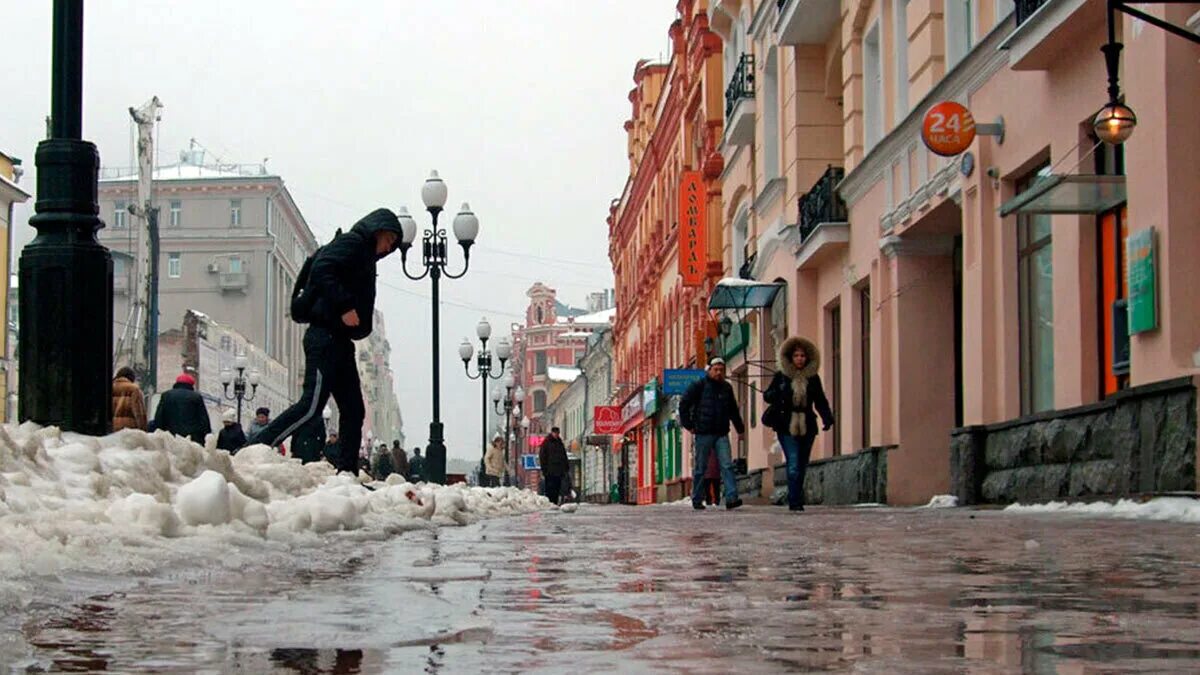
(176, 213)
(741, 227)
(960, 30)
(872, 87)
(235, 264)
(174, 265)
(901, 50)
(235, 213)
(120, 215)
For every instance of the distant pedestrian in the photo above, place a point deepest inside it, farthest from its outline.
(493, 462)
(794, 393)
(128, 403)
(416, 467)
(231, 438)
(712, 480)
(381, 463)
(552, 457)
(181, 410)
(707, 409)
(262, 417)
(399, 459)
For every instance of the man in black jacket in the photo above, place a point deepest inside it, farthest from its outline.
(340, 302)
(707, 409)
(181, 411)
(552, 458)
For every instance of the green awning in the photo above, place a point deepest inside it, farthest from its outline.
(1058, 193)
(743, 294)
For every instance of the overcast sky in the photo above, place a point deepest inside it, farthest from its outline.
(518, 103)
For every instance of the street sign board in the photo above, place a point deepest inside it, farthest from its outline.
(948, 129)
(1139, 251)
(676, 381)
(530, 463)
(536, 440)
(650, 397)
(607, 419)
(693, 228)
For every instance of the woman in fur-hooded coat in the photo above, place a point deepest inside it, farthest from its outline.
(794, 400)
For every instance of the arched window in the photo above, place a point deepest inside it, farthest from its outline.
(540, 316)
(539, 401)
(741, 229)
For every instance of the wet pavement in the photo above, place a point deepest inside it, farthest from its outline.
(658, 589)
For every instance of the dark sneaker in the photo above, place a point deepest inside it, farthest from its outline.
(698, 506)
(729, 506)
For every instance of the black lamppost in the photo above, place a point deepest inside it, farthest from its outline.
(483, 372)
(66, 276)
(508, 404)
(239, 383)
(434, 257)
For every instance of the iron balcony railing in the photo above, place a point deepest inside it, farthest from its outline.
(741, 85)
(821, 204)
(1026, 8)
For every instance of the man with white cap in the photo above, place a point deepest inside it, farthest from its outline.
(231, 438)
(707, 410)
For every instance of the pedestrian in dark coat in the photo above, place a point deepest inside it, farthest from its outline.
(231, 438)
(552, 458)
(416, 467)
(381, 466)
(399, 459)
(128, 403)
(181, 411)
(795, 398)
(339, 302)
(707, 409)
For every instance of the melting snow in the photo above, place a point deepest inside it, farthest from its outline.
(1179, 509)
(942, 502)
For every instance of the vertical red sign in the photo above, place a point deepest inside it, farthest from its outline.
(693, 228)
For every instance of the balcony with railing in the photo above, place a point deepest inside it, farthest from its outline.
(1044, 28)
(234, 281)
(807, 22)
(822, 224)
(739, 103)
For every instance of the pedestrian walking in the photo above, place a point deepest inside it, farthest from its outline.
(795, 392)
(181, 410)
(337, 298)
(381, 463)
(707, 409)
(493, 462)
(416, 467)
(552, 458)
(262, 417)
(231, 438)
(128, 403)
(399, 459)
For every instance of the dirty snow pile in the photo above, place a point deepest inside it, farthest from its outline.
(1177, 509)
(132, 501)
(942, 502)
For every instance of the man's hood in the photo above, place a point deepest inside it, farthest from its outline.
(379, 220)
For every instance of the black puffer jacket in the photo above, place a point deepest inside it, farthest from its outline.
(231, 438)
(709, 407)
(342, 277)
(552, 457)
(181, 411)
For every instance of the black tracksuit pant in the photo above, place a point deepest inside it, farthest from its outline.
(329, 369)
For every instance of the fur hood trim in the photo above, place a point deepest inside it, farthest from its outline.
(785, 362)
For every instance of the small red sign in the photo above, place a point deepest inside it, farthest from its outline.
(693, 228)
(607, 419)
(948, 129)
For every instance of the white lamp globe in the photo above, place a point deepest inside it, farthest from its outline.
(519, 395)
(254, 377)
(466, 225)
(433, 192)
(508, 381)
(226, 376)
(483, 329)
(496, 395)
(466, 350)
(408, 226)
(241, 362)
(504, 349)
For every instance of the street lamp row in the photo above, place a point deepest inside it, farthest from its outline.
(508, 403)
(484, 372)
(239, 383)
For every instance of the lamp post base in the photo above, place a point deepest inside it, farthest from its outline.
(435, 455)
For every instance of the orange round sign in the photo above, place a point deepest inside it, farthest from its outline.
(948, 129)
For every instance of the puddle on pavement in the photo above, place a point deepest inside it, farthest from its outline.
(634, 590)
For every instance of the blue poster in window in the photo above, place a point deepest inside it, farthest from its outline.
(530, 463)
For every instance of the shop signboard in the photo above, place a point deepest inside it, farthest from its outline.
(1139, 251)
(607, 419)
(676, 381)
(650, 397)
(948, 129)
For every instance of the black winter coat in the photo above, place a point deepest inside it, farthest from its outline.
(181, 411)
(342, 276)
(708, 408)
(779, 396)
(231, 438)
(552, 457)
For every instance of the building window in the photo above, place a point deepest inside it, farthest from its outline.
(120, 215)
(864, 355)
(771, 116)
(741, 232)
(1036, 290)
(235, 264)
(235, 213)
(539, 401)
(835, 369)
(539, 363)
(873, 87)
(176, 213)
(901, 50)
(174, 265)
(960, 30)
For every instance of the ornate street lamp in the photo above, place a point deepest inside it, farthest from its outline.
(239, 382)
(434, 258)
(483, 372)
(508, 403)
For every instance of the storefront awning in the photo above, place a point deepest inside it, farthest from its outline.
(1059, 193)
(732, 293)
